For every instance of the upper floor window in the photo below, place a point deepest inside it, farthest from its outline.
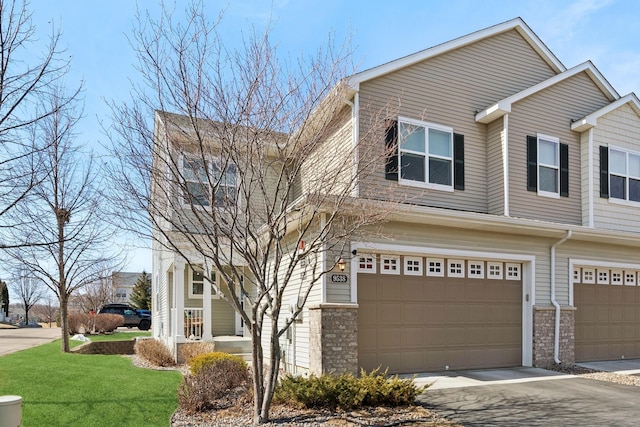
(201, 176)
(624, 175)
(547, 166)
(425, 155)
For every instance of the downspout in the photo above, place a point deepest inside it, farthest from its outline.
(556, 341)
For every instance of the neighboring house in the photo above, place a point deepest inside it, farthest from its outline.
(517, 244)
(123, 283)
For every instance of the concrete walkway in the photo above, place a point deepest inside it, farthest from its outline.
(12, 340)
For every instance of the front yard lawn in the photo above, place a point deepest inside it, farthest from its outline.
(61, 389)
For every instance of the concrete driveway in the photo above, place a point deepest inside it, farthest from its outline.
(532, 397)
(12, 340)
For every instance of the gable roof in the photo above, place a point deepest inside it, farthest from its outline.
(503, 106)
(591, 120)
(515, 24)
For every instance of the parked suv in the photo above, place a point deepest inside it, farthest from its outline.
(132, 316)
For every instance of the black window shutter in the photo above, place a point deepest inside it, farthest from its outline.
(458, 161)
(391, 149)
(532, 163)
(564, 170)
(604, 171)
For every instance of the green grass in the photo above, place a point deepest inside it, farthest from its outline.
(61, 389)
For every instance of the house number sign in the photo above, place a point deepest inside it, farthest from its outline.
(339, 278)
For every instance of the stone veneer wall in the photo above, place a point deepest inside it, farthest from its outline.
(544, 335)
(333, 338)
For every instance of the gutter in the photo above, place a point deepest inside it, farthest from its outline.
(556, 341)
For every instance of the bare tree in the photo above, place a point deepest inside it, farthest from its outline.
(96, 294)
(46, 310)
(65, 208)
(26, 75)
(248, 175)
(28, 290)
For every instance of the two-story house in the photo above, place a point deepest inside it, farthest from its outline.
(515, 242)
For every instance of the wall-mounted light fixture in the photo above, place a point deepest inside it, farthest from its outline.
(341, 264)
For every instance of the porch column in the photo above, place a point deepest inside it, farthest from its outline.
(178, 279)
(206, 305)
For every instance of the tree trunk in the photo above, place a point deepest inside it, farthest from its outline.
(64, 309)
(273, 369)
(258, 376)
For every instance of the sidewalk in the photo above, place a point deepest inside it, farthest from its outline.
(12, 340)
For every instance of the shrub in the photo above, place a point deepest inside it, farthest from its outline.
(216, 377)
(78, 323)
(86, 323)
(107, 322)
(232, 361)
(346, 391)
(154, 351)
(190, 350)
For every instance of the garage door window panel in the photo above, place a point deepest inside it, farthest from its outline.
(476, 270)
(389, 264)
(435, 267)
(412, 266)
(588, 275)
(494, 270)
(630, 278)
(455, 268)
(513, 271)
(366, 263)
(603, 277)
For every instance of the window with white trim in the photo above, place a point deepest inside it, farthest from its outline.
(603, 277)
(435, 267)
(588, 275)
(197, 283)
(514, 271)
(576, 275)
(199, 176)
(412, 266)
(494, 270)
(426, 154)
(616, 277)
(366, 263)
(630, 278)
(455, 268)
(548, 165)
(476, 269)
(389, 264)
(624, 175)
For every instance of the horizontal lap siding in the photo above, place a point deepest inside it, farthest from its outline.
(550, 112)
(495, 169)
(620, 128)
(448, 90)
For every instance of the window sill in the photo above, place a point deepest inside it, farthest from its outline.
(418, 184)
(548, 194)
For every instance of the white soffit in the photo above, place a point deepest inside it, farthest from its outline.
(518, 24)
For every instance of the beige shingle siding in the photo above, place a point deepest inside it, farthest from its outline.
(621, 128)
(495, 166)
(550, 112)
(448, 90)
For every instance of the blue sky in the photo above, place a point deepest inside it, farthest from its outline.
(95, 35)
